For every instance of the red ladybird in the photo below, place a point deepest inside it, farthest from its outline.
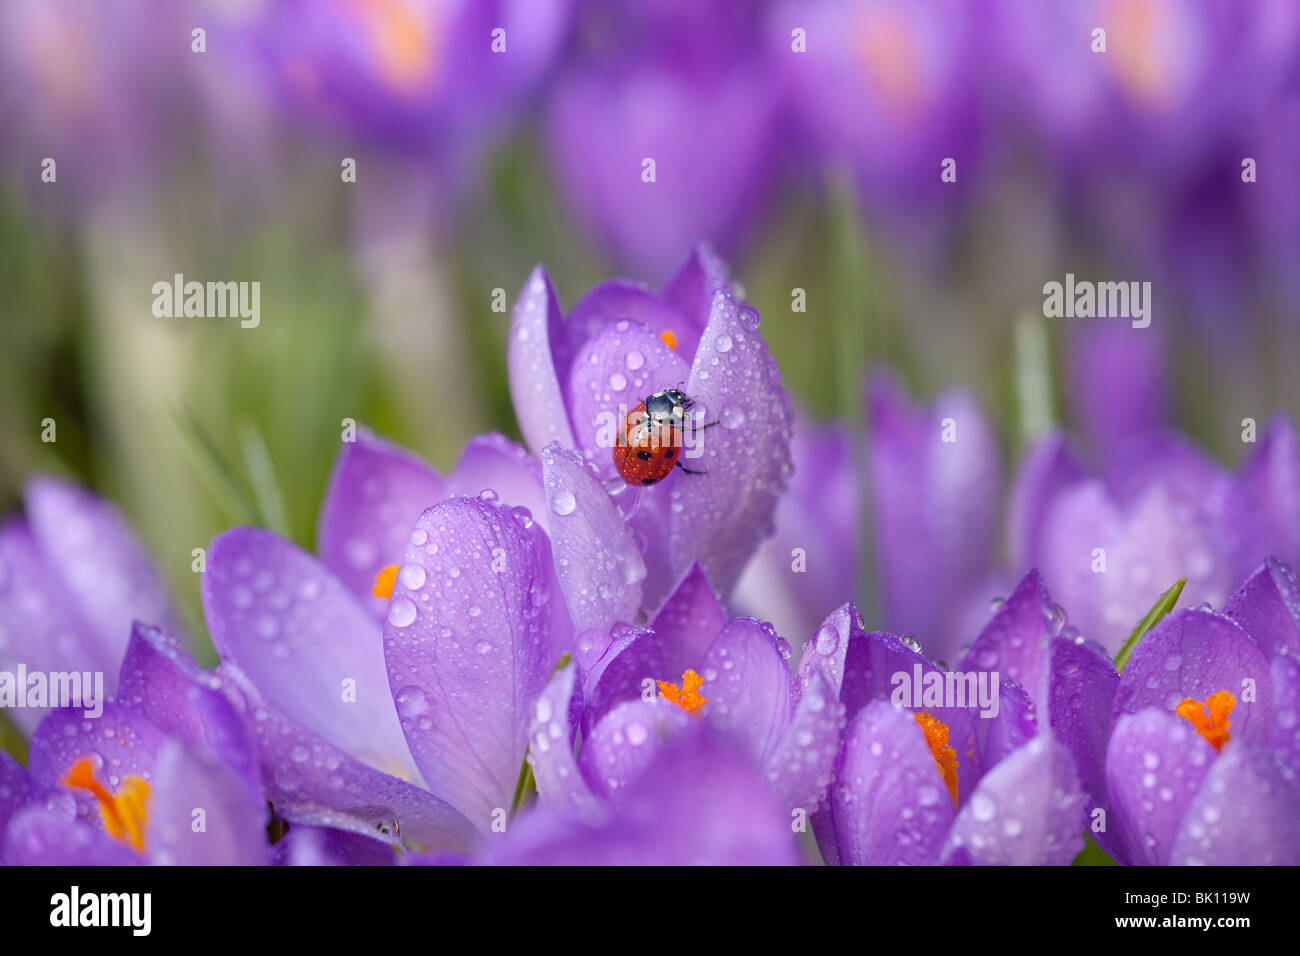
(650, 439)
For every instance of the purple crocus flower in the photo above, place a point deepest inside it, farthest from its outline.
(735, 677)
(941, 780)
(907, 74)
(410, 73)
(73, 578)
(1201, 735)
(679, 84)
(165, 774)
(621, 342)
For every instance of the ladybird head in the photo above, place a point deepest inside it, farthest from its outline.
(667, 406)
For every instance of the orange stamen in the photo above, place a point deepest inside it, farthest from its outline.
(125, 813)
(384, 581)
(688, 698)
(1213, 728)
(945, 758)
(669, 339)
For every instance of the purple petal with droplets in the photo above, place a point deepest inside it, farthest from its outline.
(800, 768)
(466, 642)
(15, 788)
(719, 518)
(39, 836)
(1155, 765)
(313, 782)
(1027, 811)
(1012, 726)
(630, 304)
(1284, 735)
(692, 289)
(889, 802)
(1014, 643)
(162, 681)
(299, 635)
(376, 492)
(234, 815)
(626, 741)
(688, 620)
(749, 687)
(495, 462)
(550, 751)
(1244, 815)
(698, 803)
(1270, 481)
(597, 562)
(1268, 607)
(1193, 654)
(616, 668)
(535, 325)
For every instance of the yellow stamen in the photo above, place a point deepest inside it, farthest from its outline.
(1213, 728)
(688, 698)
(384, 582)
(669, 339)
(125, 813)
(945, 758)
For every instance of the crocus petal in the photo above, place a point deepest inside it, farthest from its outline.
(1155, 765)
(626, 741)
(1015, 722)
(1270, 480)
(495, 463)
(935, 476)
(719, 518)
(1284, 735)
(1027, 811)
(1015, 641)
(312, 782)
(234, 815)
(621, 305)
(599, 567)
(535, 389)
(615, 666)
(749, 687)
(466, 642)
(1047, 469)
(38, 628)
(15, 787)
(698, 803)
(1268, 607)
(613, 371)
(888, 801)
(101, 564)
(692, 289)
(376, 492)
(550, 751)
(1081, 703)
(800, 767)
(1244, 815)
(40, 836)
(1195, 653)
(308, 645)
(162, 681)
(688, 620)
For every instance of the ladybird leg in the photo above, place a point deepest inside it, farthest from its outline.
(690, 471)
(716, 421)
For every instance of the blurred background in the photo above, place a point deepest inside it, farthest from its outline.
(806, 140)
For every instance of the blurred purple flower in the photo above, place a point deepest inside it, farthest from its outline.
(1109, 545)
(681, 83)
(619, 344)
(73, 578)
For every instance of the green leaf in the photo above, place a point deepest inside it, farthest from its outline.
(220, 477)
(1153, 616)
(1092, 854)
(261, 474)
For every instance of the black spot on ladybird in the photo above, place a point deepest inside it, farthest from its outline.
(644, 455)
(648, 481)
(668, 453)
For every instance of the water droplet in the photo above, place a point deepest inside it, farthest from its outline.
(723, 342)
(412, 577)
(635, 360)
(401, 612)
(564, 503)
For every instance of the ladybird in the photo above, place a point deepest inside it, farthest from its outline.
(649, 442)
